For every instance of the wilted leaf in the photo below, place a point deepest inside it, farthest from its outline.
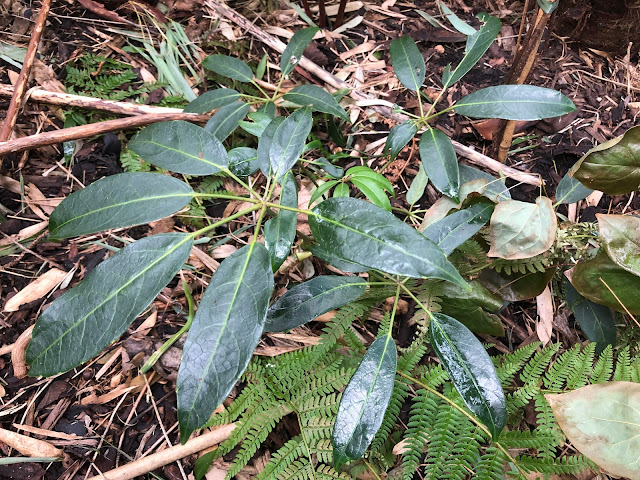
(603, 422)
(229, 67)
(87, 318)
(495, 190)
(620, 235)
(226, 120)
(310, 299)
(470, 369)
(612, 167)
(119, 201)
(319, 99)
(592, 277)
(295, 48)
(368, 235)
(280, 231)
(288, 141)
(440, 162)
(514, 102)
(522, 230)
(211, 100)
(364, 402)
(571, 190)
(399, 137)
(224, 333)
(181, 147)
(408, 63)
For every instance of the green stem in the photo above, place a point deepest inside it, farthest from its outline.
(226, 197)
(266, 95)
(230, 218)
(176, 336)
(229, 173)
(292, 209)
(393, 311)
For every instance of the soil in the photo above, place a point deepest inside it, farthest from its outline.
(118, 428)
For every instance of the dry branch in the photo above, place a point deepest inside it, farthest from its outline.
(167, 456)
(474, 157)
(23, 78)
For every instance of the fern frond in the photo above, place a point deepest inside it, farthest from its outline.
(623, 366)
(507, 366)
(536, 367)
(569, 465)
(491, 465)
(582, 368)
(421, 418)
(285, 456)
(603, 368)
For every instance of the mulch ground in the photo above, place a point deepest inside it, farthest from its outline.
(104, 412)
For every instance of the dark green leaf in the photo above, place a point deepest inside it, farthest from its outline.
(596, 321)
(319, 99)
(87, 318)
(620, 235)
(119, 201)
(365, 234)
(264, 145)
(262, 66)
(593, 279)
(470, 369)
(369, 174)
(259, 122)
(456, 21)
(612, 167)
(440, 162)
(269, 108)
(243, 161)
(477, 44)
(452, 231)
(516, 286)
(496, 190)
(310, 299)
(288, 141)
(181, 147)
(225, 120)
(337, 261)
(571, 190)
(224, 333)
(399, 137)
(330, 168)
(211, 100)
(475, 309)
(280, 231)
(229, 67)
(547, 6)
(203, 463)
(419, 184)
(408, 63)
(364, 402)
(514, 102)
(295, 48)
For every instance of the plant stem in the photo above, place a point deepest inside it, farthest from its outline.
(228, 172)
(230, 218)
(176, 336)
(227, 197)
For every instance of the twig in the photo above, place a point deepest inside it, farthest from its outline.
(91, 103)
(330, 79)
(167, 456)
(18, 354)
(23, 78)
(84, 131)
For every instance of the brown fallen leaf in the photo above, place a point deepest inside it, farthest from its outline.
(36, 289)
(544, 326)
(31, 447)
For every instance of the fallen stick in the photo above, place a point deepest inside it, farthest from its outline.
(470, 154)
(23, 78)
(31, 447)
(84, 131)
(69, 100)
(167, 456)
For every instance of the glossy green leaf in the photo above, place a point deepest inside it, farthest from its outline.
(612, 167)
(264, 145)
(321, 190)
(603, 422)
(477, 44)
(470, 369)
(119, 201)
(243, 161)
(596, 321)
(408, 63)
(364, 402)
(522, 230)
(260, 121)
(226, 120)
(295, 48)
(84, 320)
(365, 234)
(211, 100)
(341, 263)
(262, 66)
(229, 67)
(224, 333)
(440, 162)
(280, 231)
(475, 309)
(399, 137)
(495, 190)
(181, 147)
(319, 99)
(310, 299)
(367, 173)
(514, 102)
(329, 167)
(620, 235)
(455, 229)
(571, 190)
(418, 186)
(373, 191)
(288, 141)
(341, 190)
(516, 286)
(592, 277)
(548, 6)
(456, 21)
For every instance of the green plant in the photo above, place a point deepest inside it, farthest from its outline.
(463, 398)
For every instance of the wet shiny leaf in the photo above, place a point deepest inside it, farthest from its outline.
(295, 48)
(264, 145)
(440, 162)
(408, 63)
(229, 67)
(470, 369)
(620, 235)
(280, 231)
(319, 99)
(243, 161)
(226, 120)
(288, 141)
(475, 309)
(399, 137)
(516, 286)
(211, 100)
